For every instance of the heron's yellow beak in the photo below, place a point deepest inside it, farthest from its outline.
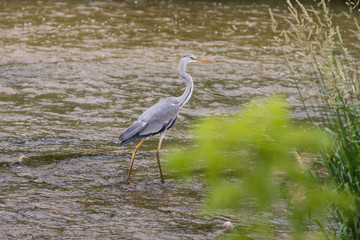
(203, 60)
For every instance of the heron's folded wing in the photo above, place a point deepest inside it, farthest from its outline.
(133, 130)
(152, 128)
(156, 119)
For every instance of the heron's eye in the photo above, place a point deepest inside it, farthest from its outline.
(193, 58)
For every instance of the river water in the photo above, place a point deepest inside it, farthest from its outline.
(75, 74)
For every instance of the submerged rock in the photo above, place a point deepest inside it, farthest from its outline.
(22, 159)
(228, 225)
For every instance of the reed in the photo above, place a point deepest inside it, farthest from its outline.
(327, 75)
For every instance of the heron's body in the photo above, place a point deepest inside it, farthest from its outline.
(161, 116)
(149, 122)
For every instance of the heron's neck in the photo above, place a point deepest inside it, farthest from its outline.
(189, 85)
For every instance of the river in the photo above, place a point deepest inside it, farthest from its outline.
(75, 74)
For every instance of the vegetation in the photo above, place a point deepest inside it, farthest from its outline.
(250, 157)
(257, 155)
(334, 90)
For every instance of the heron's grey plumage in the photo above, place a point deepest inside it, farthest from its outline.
(156, 119)
(161, 116)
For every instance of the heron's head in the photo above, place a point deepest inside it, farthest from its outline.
(192, 58)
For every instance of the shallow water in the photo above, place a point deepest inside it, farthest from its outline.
(75, 74)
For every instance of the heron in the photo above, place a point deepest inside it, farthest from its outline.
(161, 116)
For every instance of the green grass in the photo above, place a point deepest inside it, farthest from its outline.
(256, 155)
(333, 72)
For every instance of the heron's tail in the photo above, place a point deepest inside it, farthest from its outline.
(131, 134)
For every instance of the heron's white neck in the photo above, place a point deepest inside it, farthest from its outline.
(189, 84)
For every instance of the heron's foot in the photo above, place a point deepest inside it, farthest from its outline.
(127, 181)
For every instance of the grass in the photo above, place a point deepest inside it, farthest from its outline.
(331, 70)
(249, 157)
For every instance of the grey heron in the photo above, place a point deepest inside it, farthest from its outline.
(160, 117)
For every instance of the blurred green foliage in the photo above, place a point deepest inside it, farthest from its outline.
(251, 157)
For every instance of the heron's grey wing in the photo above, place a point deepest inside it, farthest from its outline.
(156, 119)
(132, 131)
(152, 128)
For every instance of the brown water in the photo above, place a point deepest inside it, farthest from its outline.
(75, 74)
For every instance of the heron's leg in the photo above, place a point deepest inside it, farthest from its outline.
(133, 157)
(157, 155)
